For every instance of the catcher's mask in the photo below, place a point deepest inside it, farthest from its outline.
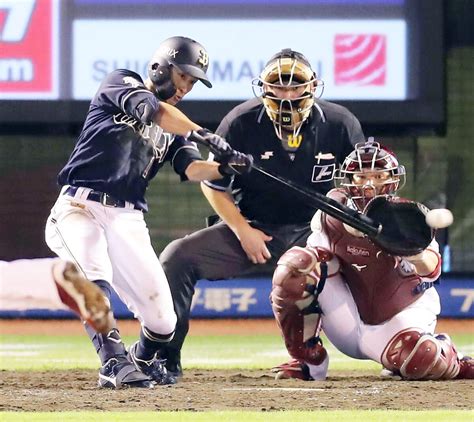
(287, 69)
(186, 55)
(370, 170)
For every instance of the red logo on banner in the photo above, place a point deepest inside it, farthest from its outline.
(360, 59)
(26, 46)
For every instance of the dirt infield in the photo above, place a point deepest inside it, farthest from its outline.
(228, 390)
(202, 390)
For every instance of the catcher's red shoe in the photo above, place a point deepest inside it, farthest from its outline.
(82, 296)
(466, 370)
(292, 369)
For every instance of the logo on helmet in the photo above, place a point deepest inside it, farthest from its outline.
(203, 58)
(172, 52)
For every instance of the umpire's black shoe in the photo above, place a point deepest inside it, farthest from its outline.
(118, 372)
(174, 368)
(173, 361)
(154, 368)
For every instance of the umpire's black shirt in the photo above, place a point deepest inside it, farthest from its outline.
(330, 129)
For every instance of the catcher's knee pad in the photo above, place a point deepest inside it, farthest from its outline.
(295, 305)
(419, 356)
(297, 270)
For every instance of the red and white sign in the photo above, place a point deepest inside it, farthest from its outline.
(28, 48)
(360, 59)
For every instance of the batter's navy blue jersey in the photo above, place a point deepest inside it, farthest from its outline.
(120, 148)
(327, 137)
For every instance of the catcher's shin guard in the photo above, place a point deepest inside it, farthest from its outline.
(419, 356)
(466, 368)
(296, 283)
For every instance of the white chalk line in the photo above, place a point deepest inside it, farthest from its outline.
(276, 389)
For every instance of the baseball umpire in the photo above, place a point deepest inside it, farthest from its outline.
(132, 128)
(288, 132)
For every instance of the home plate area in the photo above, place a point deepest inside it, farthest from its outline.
(202, 390)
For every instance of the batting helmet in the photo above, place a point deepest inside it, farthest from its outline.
(285, 69)
(187, 55)
(376, 159)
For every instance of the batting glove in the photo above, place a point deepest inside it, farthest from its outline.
(217, 144)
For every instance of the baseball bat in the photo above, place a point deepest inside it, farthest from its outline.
(341, 212)
(351, 217)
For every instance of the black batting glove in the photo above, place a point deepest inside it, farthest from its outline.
(236, 165)
(231, 161)
(217, 144)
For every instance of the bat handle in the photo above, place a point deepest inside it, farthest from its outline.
(194, 136)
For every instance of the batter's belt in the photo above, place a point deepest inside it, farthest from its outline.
(101, 197)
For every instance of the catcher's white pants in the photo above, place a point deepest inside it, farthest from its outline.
(113, 244)
(29, 284)
(342, 324)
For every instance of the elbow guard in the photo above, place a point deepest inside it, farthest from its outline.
(145, 110)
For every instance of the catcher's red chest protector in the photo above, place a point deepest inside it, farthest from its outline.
(382, 285)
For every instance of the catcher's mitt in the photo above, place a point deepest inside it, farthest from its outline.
(404, 228)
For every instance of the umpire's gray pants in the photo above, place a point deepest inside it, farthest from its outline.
(215, 253)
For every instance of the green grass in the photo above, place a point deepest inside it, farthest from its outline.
(20, 352)
(289, 416)
(43, 352)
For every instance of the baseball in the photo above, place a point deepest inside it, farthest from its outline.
(439, 218)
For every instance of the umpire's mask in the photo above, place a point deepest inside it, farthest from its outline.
(287, 87)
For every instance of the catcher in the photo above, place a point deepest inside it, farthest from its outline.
(370, 304)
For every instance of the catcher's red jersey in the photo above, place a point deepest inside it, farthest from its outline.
(378, 298)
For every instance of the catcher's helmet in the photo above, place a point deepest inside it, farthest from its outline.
(285, 69)
(379, 160)
(187, 55)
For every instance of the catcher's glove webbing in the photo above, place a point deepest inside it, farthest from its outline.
(404, 228)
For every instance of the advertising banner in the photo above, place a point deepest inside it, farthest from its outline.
(249, 298)
(29, 49)
(357, 59)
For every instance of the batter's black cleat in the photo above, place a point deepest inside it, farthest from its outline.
(119, 372)
(154, 368)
